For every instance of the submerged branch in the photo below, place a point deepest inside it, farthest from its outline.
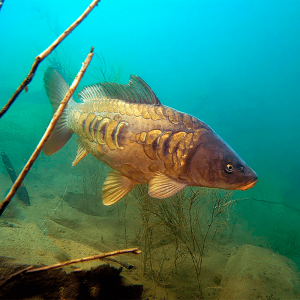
(47, 133)
(44, 54)
(84, 259)
(69, 262)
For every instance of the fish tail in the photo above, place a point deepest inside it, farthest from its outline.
(56, 88)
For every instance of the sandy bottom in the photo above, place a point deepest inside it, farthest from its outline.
(60, 225)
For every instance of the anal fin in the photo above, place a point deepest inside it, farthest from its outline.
(81, 153)
(115, 187)
(162, 186)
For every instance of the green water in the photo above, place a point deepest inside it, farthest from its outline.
(233, 64)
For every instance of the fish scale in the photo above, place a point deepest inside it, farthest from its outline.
(126, 127)
(107, 130)
(100, 129)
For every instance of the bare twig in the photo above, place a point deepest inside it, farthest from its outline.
(84, 259)
(47, 133)
(69, 262)
(44, 54)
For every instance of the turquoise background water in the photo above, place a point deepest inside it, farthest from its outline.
(233, 64)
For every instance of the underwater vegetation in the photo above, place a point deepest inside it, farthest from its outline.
(186, 225)
(199, 243)
(180, 236)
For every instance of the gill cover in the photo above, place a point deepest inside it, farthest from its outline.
(215, 164)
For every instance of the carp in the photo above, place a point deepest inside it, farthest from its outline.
(126, 127)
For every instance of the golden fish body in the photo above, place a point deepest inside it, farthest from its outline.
(137, 140)
(127, 128)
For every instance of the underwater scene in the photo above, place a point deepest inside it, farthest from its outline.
(138, 193)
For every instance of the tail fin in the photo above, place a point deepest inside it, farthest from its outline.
(56, 88)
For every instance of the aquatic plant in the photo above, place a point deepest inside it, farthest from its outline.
(44, 225)
(93, 174)
(106, 72)
(188, 222)
(122, 231)
(92, 178)
(146, 229)
(60, 61)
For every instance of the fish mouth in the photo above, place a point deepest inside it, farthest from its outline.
(248, 185)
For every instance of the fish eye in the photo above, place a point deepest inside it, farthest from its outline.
(229, 168)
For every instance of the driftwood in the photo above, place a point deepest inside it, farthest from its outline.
(47, 133)
(30, 269)
(44, 54)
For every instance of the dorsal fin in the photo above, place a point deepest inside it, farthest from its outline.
(136, 91)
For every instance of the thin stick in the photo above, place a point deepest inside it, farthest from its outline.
(47, 133)
(69, 262)
(44, 54)
(84, 259)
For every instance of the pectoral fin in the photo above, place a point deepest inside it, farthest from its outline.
(162, 186)
(81, 153)
(115, 187)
